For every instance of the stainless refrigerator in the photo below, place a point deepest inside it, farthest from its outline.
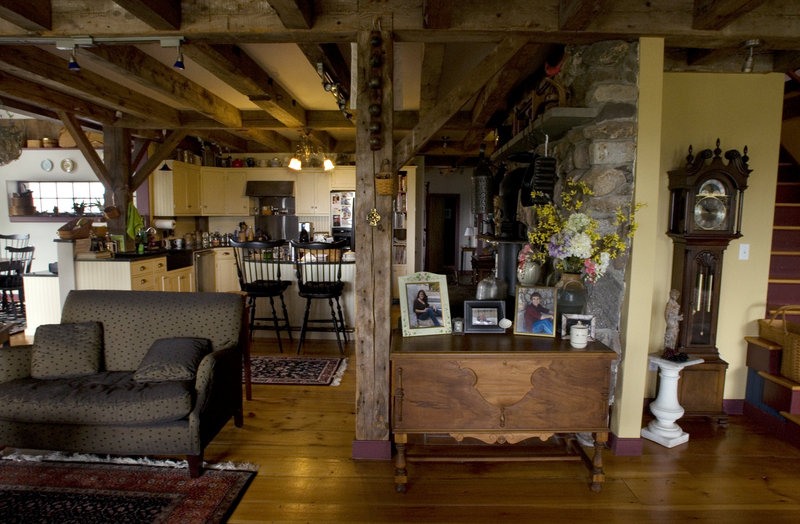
(342, 224)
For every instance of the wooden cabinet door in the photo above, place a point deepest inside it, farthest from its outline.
(236, 202)
(343, 178)
(312, 192)
(225, 270)
(163, 196)
(186, 188)
(213, 186)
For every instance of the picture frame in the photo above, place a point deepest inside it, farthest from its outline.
(568, 320)
(483, 316)
(434, 320)
(532, 317)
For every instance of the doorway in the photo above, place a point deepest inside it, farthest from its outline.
(441, 226)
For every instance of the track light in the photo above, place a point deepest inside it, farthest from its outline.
(73, 64)
(179, 62)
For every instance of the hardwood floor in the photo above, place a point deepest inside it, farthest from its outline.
(301, 437)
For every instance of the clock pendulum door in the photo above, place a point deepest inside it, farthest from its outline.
(705, 215)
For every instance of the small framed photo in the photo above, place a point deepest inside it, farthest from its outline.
(535, 308)
(424, 304)
(458, 326)
(484, 316)
(568, 320)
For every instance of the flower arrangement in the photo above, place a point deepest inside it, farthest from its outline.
(572, 237)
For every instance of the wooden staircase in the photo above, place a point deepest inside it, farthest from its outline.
(784, 268)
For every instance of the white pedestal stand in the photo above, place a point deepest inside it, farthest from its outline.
(666, 408)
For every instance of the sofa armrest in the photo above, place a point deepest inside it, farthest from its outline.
(15, 362)
(219, 391)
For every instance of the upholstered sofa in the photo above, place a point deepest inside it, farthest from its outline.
(127, 373)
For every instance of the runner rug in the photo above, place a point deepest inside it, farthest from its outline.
(299, 371)
(39, 492)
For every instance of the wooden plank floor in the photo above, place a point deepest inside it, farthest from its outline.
(302, 439)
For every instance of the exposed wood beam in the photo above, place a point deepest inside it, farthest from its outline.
(294, 14)
(716, 14)
(700, 57)
(458, 96)
(784, 61)
(494, 95)
(431, 74)
(576, 15)
(29, 15)
(437, 14)
(158, 14)
(272, 140)
(139, 152)
(51, 99)
(161, 153)
(85, 147)
(222, 138)
(32, 63)
(149, 72)
(235, 67)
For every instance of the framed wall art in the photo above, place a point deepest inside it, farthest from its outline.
(535, 311)
(568, 320)
(424, 304)
(484, 316)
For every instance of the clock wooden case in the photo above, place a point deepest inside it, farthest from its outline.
(706, 202)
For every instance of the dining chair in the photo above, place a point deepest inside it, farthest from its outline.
(319, 276)
(13, 240)
(11, 285)
(258, 265)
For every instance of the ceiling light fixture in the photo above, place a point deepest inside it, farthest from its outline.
(747, 67)
(306, 152)
(174, 41)
(335, 89)
(179, 62)
(73, 64)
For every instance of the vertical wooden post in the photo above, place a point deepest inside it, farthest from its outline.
(117, 160)
(373, 248)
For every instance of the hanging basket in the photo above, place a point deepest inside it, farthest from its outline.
(383, 186)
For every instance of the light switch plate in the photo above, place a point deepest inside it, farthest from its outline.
(744, 251)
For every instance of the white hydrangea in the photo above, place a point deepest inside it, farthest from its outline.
(605, 260)
(580, 246)
(577, 222)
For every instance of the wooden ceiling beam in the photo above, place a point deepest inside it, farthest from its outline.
(233, 66)
(455, 99)
(495, 94)
(785, 61)
(714, 15)
(158, 14)
(431, 74)
(222, 138)
(29, 15)
(86, 148)
(332, 61)
(33, 64)
(294, 14)
(149, 72)
(577, 15)
(438, 14)
(162, 152)
(270, 139)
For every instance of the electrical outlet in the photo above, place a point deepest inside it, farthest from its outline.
(744, 251)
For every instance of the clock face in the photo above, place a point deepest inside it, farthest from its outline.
(711, 206)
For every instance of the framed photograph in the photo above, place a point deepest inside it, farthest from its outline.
(535, 308)
(484, 316)
(567, 321)
(424, 304)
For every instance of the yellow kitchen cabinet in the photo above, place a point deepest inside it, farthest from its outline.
(343, 178)
(186, 189)
(223, 192)
(312, 193)
(135, 275)
(179, 280)
(225, 274)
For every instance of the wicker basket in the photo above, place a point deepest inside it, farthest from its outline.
(790, 357)
(72, 230)
(775, 327)
(384, 186)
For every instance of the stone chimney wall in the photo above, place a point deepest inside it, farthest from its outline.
(602, 154)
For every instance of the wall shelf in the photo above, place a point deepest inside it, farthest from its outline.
(554, 123)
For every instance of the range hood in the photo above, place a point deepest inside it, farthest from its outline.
(257, 188)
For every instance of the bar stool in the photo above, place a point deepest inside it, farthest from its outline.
(258, 265)
(319, 276)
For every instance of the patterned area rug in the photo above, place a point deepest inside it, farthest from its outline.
(39, 492)
(298, 371)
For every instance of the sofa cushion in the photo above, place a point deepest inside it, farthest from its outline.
(67, 350)
(105, 398)
(172, 359)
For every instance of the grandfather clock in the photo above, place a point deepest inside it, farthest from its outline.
(705, 215)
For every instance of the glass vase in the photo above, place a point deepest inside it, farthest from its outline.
(571, 293)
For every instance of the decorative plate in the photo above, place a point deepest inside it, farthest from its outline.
(47, 164)
(68, 165)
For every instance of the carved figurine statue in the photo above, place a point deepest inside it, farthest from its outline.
(672, 314)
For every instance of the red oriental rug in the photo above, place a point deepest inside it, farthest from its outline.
(297, 371)
(39, 492)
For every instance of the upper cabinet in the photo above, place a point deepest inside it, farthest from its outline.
(343, 178)
(177, 192)
(223, 192)
(312, 193)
